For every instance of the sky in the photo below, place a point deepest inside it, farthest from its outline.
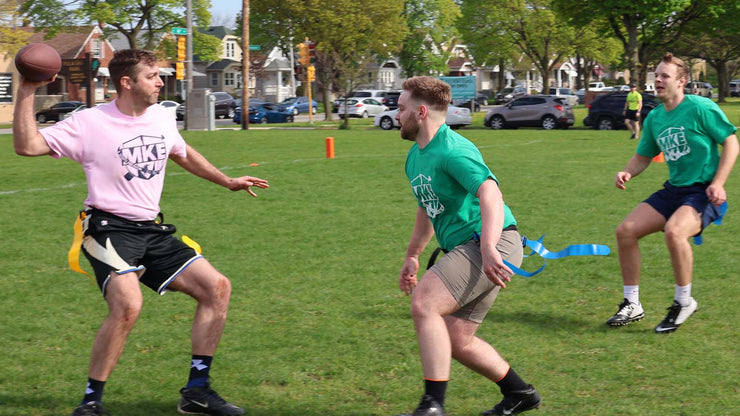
(225, 10)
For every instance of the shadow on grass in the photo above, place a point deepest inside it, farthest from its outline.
(36, 405)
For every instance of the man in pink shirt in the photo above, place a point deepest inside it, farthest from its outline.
(123, 148)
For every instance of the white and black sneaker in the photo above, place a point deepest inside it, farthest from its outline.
(628, 312)
(676, 316)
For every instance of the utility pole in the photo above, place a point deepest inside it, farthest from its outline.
(189, 59)
(245, 64)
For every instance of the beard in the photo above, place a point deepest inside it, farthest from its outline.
(409, 130)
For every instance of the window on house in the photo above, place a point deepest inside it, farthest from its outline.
(214, 79)
(96, 48)
(230, 49)
(229, 79)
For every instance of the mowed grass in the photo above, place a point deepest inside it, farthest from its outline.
(317, 325)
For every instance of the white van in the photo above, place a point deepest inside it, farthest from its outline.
(735, 88)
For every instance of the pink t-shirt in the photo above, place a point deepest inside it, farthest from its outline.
(124, 158)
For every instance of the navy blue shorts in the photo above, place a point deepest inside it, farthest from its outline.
(115, 245)
(669, 199)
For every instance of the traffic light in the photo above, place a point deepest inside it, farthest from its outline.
(181, 48)
(312, 52)
(94, 66)
(179, 70)
(303, 54)
(311, 73)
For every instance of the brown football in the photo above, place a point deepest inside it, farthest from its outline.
(38, 62)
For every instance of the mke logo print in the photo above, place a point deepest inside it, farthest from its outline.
(422, 187)
(673, 143)
(143, 156)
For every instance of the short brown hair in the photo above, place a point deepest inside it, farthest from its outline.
(431, 91)
(682, 68)
(124, 64)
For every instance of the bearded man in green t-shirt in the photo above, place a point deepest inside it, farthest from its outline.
(688, 130)
(460, 202)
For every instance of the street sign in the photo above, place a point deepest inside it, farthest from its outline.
(74, 69)
(463, 88)
(179, 31)
(254, 47)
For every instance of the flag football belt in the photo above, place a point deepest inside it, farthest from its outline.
(712, 211)
(73, 256)
(537, 247)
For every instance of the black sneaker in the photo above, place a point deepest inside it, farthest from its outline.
(676, 316)
(628, 312)
(516, 402)
(205, 401)
(428, 407)
(90, 409)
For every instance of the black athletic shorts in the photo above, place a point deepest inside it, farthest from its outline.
(630, 115)
(148, 248)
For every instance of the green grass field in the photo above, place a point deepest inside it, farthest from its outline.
(317, 325)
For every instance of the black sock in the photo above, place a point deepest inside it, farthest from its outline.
(436, 389)
(94, 391)
(511, 383)
(200, 366)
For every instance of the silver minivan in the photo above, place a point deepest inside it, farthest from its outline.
(735, 88)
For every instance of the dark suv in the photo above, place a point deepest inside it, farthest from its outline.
(225, 105)
(605, 112)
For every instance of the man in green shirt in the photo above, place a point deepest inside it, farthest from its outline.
(632, 109)
(688, 130)
(460, 202)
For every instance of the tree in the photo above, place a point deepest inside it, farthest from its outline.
(644, 27)
(487, 43)
(142, 22)
(714, 37)
(532, 27)
(348, 35)
(431, 36)
(11, 40)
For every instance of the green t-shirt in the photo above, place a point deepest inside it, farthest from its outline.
(445, 176)
(688, 137)
(633, 100)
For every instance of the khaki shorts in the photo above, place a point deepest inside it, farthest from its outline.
(461, 271)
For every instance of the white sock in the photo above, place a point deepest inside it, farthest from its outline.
(632, 294)
(683, 295)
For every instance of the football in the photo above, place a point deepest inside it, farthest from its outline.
(38, 62)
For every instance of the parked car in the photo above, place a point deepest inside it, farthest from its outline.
(532, 111)
(298, 105)
(699, 88)
(225, 105)
(509, 93)
(262, 113)
(238, 111)
(566, 93)
(391, 99)
(650, 88)
(735, 88)
(171, 106)
(456, 117)
(605, 112)
(480, 100)
(360, 107)
(79, 108)
(581, 94)
(55, 112)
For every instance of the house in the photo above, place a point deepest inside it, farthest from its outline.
(226, 73)
(74, 44)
